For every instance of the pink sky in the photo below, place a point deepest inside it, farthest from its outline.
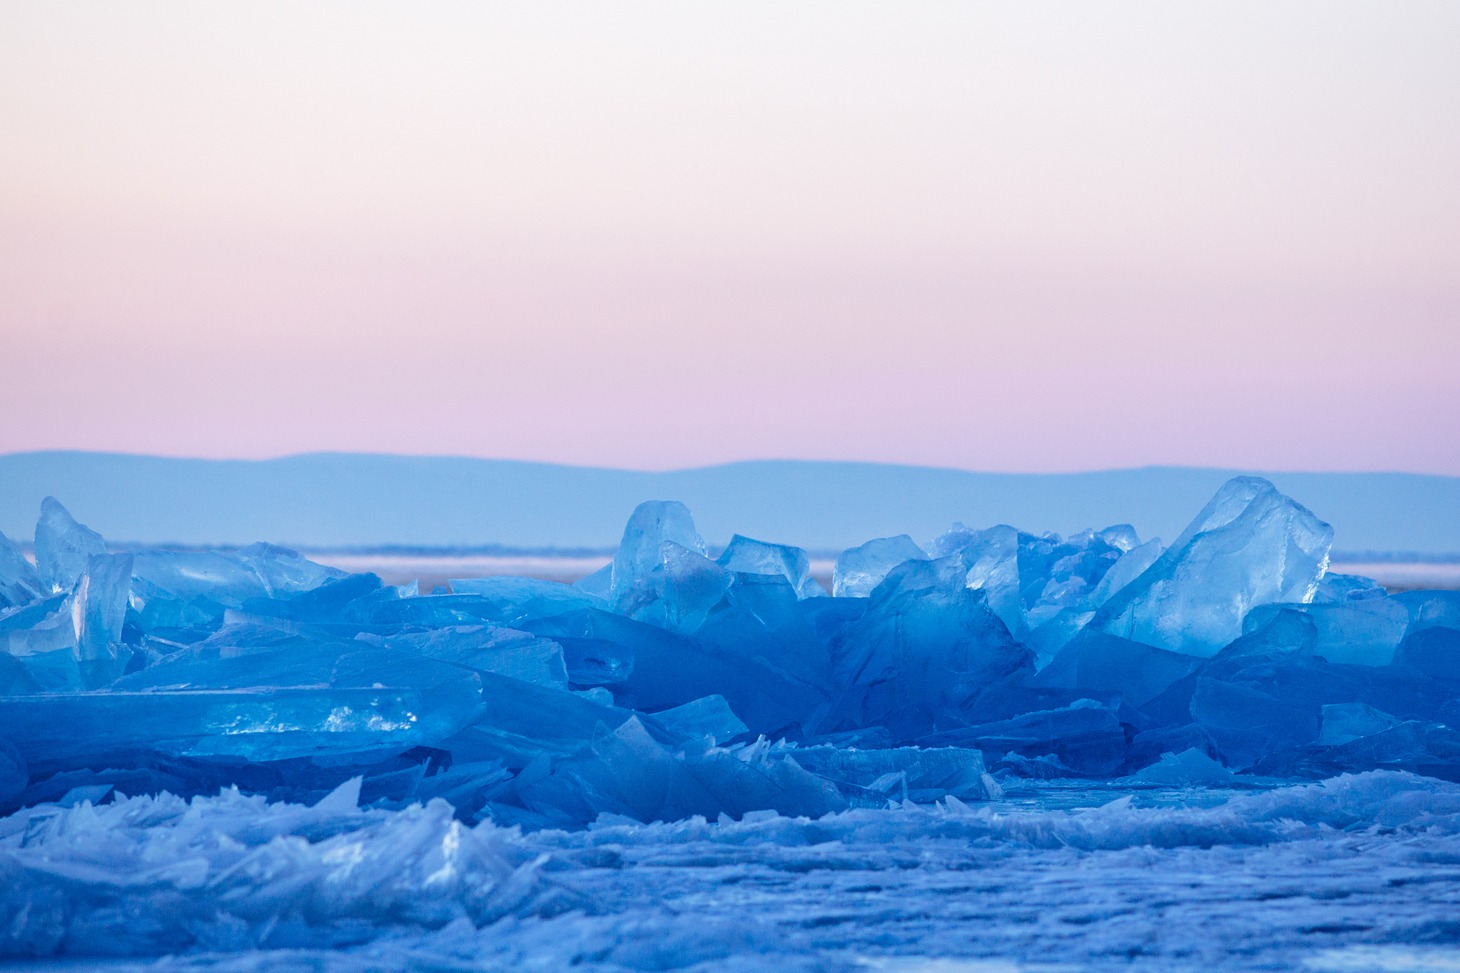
(1006, 237)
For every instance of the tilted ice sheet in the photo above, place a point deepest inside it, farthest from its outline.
(1249, 546)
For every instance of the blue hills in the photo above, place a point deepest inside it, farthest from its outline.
(325, 500)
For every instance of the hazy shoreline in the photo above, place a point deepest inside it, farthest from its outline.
(433, 569)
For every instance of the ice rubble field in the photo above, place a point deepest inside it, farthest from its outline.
(996, 751)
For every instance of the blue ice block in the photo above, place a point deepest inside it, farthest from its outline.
(63, 546)
(486, 648)
(504, 601)
(745, 555)
(920, 657)
(1346, 722)
(1084, 738)
(708, 719)
(660, 572)
(100, 607)
(1362, 631)
(1095, 662)
(922, 774)
(1431, 609)
(670, 670)
(176, 589)
(57, 731)
(860, 569)
(19, 582)
(1249, 546)
(1434, 651)
(628, 772)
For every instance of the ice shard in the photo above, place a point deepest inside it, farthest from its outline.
(1249, 546)
(991, 564)
(709, 720)
(628, 772)
(924, 774)
(100, 608)
(1190, 766)
(267, 723)
(925, 651)
(862, 568)
(745, 555)
(660, 573)
(1095, 662)
(19, 582)
(485, 648)
(1365, 631)
(63, 546)
(1431, 643)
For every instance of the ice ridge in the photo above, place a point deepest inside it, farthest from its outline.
(226, 755)
(679, 684)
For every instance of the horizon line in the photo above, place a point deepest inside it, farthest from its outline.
(356, 454)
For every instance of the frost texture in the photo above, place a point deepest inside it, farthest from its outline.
(244, 759)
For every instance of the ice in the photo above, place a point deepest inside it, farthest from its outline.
(1095, 662)
(1047, 655)
(926, 649)
(870, 778)
(488, 648)
(100, 606)
(1346, 587)
(1046, 584)
(68, 730)
(73, 641)
(19, 582)
(709, 719)
(1364, 631)
(1184, 769)
(1249, 546)
(1346, 722)
(240, 759)
(660, 573)
(629, 773)
(1278, 630)
(63, 547)
(1086, 738)
(40, 639)
(504, 601)
(1434, 651)
(862, 568)
(745, 555)
(13, 774)
(1431, 609)
(990, 559)
(176, 589)
(1240, 880)
(1131, 564)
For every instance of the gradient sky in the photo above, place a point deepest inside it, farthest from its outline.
(1015, 236)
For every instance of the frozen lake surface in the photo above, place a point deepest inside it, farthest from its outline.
(1356, 873)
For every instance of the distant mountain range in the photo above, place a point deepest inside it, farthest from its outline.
(342, 500)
